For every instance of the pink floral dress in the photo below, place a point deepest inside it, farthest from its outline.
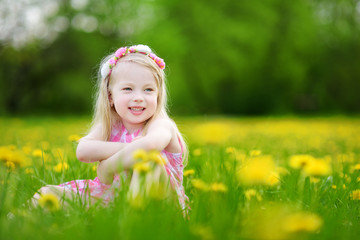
(98, 190)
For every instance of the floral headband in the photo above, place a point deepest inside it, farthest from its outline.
(107, 67)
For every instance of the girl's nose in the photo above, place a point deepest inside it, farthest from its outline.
(138, 97)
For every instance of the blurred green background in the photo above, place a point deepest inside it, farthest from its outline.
(223, 57)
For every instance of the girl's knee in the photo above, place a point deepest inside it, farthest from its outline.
(45, 190)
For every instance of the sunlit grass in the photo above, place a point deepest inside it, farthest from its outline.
(257, 178)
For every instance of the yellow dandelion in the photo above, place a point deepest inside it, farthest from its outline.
(37, 153)
(200, 184)
(189, 172)
(61, 167)
(358, 179)
(252, 194)
(140, 154)
(213, 132)
(302, 222)
(257, 170)
(355, 195)
(49, 202)
(156, 157)
(300, 161)
(317, 167)
(74, 138)
(19, 159)
(273, 179)
(333, 186)
(142, 167)
(197, 152)
(94, 168)
(218, 187)
(5, 154)
(356, 167)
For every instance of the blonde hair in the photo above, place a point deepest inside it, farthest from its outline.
(107, 117)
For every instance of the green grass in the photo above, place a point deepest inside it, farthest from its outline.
(219, 148)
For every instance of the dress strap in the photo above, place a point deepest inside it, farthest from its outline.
(181, 145)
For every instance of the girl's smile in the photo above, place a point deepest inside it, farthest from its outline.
(137, 110)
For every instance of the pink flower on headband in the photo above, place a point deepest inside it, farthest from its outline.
(153, 56)
(132, 50)
(120, 52)
(112, 62)
(160, 62)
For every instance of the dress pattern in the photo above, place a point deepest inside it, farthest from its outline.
(106, 192)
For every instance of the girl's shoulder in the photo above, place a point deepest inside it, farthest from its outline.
(162, 122)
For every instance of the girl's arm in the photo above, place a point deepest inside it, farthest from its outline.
(92, 149)
(157, 137)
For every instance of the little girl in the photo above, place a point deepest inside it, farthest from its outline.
(130, 114)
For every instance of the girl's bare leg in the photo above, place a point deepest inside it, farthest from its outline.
(61, 192)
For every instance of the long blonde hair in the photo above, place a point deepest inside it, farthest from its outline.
(107, 117)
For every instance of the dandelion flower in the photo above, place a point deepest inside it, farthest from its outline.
(61, 167)
(213, 132)
(142, 167)
(49, 202)
(37, 153)
(317, 167)
(356, 167)
(302, 222)
(189, 172)
(74, 138)
(218, 187)
(355, 195)
(140, 154)
(199, 184)
(252, 193)
(273, 179)
(300, 161)
(258, 170)
(156, 157)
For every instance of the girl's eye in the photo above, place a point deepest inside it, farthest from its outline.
(127, 89)
(149, 90)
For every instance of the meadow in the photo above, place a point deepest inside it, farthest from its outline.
(246, 178)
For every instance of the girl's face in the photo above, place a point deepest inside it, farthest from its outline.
(133, 93)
